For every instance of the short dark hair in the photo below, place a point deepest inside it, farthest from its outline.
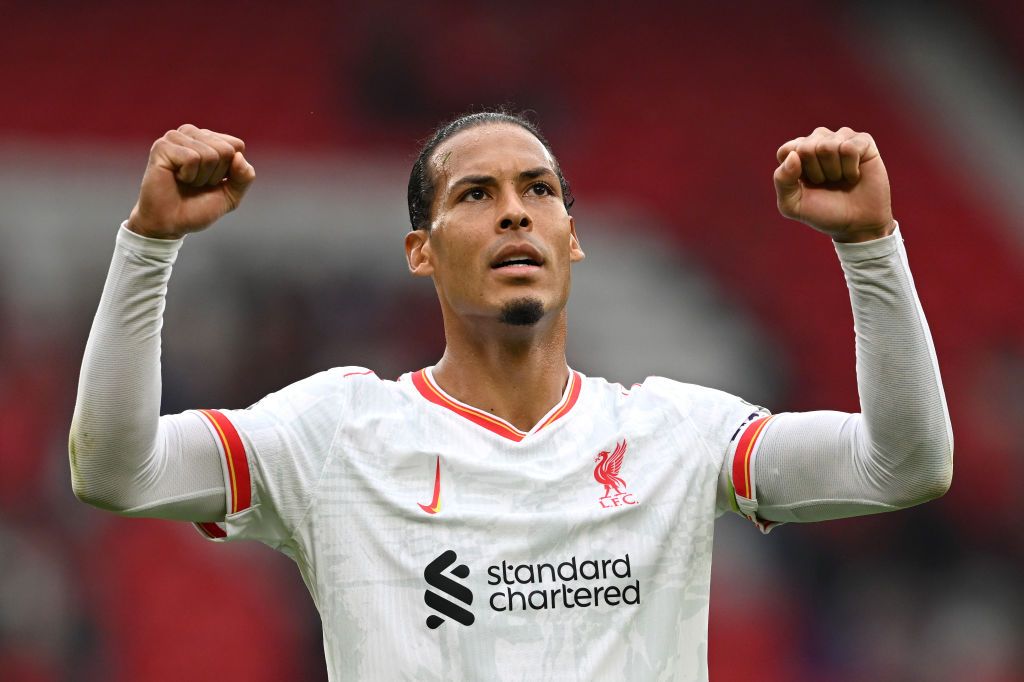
(421, 179)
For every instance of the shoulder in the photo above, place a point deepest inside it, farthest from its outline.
(689, 396)
(332, 388)
(661, 398)
(656, 389)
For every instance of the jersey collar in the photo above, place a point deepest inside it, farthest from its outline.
(424, 382)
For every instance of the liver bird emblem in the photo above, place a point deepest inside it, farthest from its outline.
(607, 470)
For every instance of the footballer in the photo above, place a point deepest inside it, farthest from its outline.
(499, 515)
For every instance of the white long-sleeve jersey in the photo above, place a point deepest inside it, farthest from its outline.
(439, 541)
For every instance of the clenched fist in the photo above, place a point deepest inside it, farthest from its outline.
(836, 183)
(194, 176)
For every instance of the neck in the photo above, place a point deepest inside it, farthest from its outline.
(515, 373)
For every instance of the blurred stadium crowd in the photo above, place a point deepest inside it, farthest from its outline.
(665, 117)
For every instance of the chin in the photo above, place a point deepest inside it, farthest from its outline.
(522, 312)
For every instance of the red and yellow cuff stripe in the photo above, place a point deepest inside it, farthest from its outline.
(742, 464)
(742, 460)
(236, 461)
(429, 390)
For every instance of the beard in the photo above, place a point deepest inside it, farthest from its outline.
(522, 312)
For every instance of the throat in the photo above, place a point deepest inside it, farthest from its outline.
(517, 373)
(522, 398)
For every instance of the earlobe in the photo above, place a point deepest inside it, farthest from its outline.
(417, 253)
(575, 250)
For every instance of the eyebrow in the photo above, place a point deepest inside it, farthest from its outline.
(538, 172)
(490, 180)
(474, 180)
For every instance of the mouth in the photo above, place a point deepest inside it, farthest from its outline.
(514, 263)
(521, 258)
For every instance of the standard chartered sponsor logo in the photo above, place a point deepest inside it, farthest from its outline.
(435, 577)
(565, 585)
(569, 584)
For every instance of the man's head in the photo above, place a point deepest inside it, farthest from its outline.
(421, 179)
(489, 211)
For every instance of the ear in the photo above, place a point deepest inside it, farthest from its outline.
(417, 253)
(575, 250)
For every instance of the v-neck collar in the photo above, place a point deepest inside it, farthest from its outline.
(424, 382)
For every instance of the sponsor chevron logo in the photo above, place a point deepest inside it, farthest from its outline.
(435, 577)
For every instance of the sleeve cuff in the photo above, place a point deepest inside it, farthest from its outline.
(870, 250)
(237, 480)
(164, 249)
(743, 481)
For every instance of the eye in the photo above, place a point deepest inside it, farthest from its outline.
(541, 189)
(475, 194)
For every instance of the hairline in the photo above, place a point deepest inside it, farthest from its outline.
(432, 166)
(422, 186)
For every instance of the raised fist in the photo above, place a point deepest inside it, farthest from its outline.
(836, 183)
(194, 176)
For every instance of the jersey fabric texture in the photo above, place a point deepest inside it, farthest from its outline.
(440, 542)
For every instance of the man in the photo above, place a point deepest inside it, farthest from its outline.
(499, 515)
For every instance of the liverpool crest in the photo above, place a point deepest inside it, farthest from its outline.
(607, 474)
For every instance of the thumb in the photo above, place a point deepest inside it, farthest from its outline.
(787, 183)
(240, 176)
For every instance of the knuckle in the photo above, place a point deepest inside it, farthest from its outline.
(166, 140)
(209, 137)
(825, 148)
(187, 128)
(787, 147)
(225, 150)
(219, 147)
(208, 153)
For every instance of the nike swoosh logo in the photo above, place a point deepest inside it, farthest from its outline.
(435, 504)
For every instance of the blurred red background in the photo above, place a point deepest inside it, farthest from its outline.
(672, 110)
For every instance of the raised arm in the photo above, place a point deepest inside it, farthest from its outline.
(124, 456)
(898, 451)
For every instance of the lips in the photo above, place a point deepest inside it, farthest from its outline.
(517, 256)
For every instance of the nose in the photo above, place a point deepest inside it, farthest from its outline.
(521, 220)
(514, 216)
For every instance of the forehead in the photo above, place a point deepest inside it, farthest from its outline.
(490, 149)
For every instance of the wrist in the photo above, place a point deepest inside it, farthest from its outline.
(138, 226)
(866, 234)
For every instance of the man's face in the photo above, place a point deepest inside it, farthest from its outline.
(501, 241)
